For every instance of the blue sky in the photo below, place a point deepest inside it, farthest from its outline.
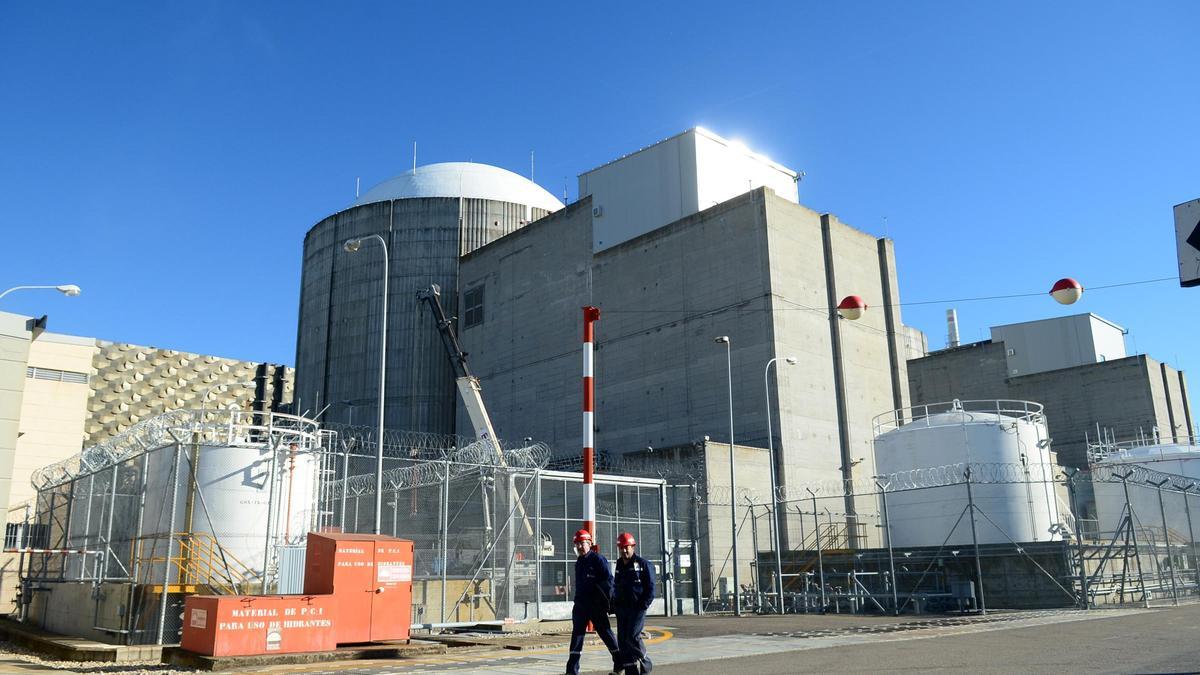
(169, 157)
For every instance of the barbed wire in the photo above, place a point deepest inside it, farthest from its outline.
(480, 455)
(233, 427)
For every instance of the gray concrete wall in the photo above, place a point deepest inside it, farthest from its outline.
(751, 268)
(77, 609)
(1127, 395)
(974, 371)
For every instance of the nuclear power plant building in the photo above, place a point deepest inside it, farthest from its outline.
(687, 240)
(427, 218)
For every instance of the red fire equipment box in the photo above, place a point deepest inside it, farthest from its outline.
(231, 625)
(371, 578)
(357, 588)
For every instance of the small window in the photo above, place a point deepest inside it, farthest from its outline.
(35, 535)
(54, 375)
(473, 307)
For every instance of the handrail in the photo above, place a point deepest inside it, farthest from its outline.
(201, 561)
(1027, 411)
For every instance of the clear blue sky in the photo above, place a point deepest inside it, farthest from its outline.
(169, 157)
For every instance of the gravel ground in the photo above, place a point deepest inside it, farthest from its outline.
(15, 652)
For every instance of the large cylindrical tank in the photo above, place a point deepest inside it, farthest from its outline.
(1006, 445)
(232, 500)
(429, 217)
(1179, 462)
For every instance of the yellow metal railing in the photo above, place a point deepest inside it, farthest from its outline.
(200, 562)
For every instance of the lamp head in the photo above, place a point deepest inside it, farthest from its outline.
(723, 339)
(70, 290)
(352, 245)
(791, 360)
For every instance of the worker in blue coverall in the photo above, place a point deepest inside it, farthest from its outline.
(634, 593)
(593, 597)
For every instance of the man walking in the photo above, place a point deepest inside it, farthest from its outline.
(634, 593)
(593, 596)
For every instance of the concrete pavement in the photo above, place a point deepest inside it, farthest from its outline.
(785, 644)
(1097, 641)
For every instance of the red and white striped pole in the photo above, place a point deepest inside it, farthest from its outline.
(590, 316)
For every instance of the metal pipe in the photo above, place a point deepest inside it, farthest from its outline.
(668, 575)
(975, 542)
(1137, 551)
(537, 542)
(697, 567)
(1167, 542)
(887, 532)
(590, 316)
(62, 570)
(1187, 509)
(345, 476)
(351, 246)
(270, 512)
(510, 559)
(87, 523)
(737, 588)
(817, 540)
(1083, 576)
(162, 597)
(135, 549)
(112, 509)
(22, 576)
(755, 576)
(776, 521)
(444, 518)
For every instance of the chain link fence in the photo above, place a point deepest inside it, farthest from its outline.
(921, 540)
(222, 501)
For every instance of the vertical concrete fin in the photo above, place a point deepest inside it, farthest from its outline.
(1187, 407)
(839, 376)
(769, 296)
(891, 317)
(1162, 369)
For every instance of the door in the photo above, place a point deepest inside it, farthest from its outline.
(391, 602)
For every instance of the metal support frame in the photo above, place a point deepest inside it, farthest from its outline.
(820, 555)
(162, 598)
(887, 533)
(975, 543)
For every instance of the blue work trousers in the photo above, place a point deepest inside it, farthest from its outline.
(630, 622)
(580, 616)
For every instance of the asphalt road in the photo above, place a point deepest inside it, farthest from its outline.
(1158, 641)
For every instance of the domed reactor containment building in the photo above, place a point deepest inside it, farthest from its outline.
(429, 217)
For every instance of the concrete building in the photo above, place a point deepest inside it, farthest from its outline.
(1077, 367)
(60, 393)
(63, 392)
(429, 217)
(670, 271)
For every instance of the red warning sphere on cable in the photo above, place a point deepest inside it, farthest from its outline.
(851, 307)
(1066, 291)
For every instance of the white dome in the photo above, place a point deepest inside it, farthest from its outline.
(462, 179)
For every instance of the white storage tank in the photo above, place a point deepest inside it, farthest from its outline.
(1181, 463)
(233, 499)
(1007, 447)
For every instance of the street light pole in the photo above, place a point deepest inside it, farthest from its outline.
(69, 290)
(352, 246)
(737, 589)
(776, 521)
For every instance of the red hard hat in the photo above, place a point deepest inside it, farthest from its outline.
(626, 539)
(583, 535)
